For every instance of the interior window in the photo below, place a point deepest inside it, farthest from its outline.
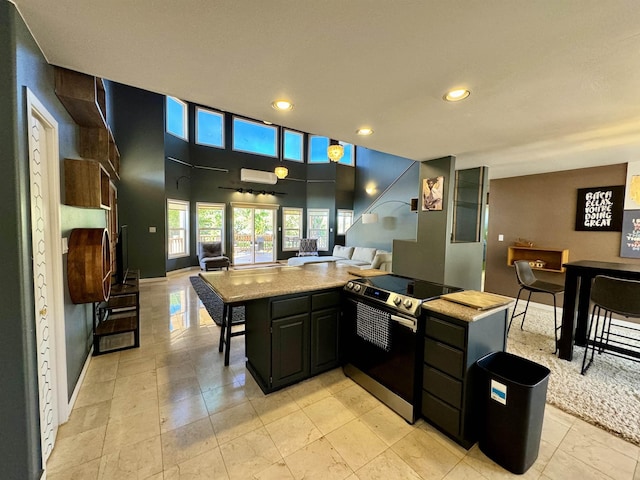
(292, 228)
(178, 228)
(209, 128)
(318, 226)
(177, 118)
(255, 137)
(210, 218)
(345, 219)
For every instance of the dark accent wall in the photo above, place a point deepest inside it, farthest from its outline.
(542, 209)
(23, 66)
(378, 170)
(395, 218)
(138, 129)
(19, 444)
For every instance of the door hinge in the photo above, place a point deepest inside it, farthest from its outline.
(270, 329)
(271, 381)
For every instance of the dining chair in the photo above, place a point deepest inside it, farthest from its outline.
(528, 281)
(618, 337)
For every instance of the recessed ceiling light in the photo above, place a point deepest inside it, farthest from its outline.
(282, 105)
(456, 95)
(267, 122)
(364, 131)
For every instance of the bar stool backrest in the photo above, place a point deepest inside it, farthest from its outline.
(524, 273)
(617, 295)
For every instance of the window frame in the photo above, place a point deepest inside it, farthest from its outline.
(187, 213)
(275, 128)
(197, 123)
(284, 131)
(216, 206)
(319, 211)
(185, 118)
(339, 227)
(300, 212)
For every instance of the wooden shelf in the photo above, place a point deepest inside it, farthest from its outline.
(554, 258)
(86, 184)
(83, 96)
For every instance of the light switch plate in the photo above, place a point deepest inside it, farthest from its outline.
(501, 238)
(65, 245)
(152, 229)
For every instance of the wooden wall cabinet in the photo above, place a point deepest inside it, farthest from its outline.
(553, 258)
(97, 143)
(86, 184)
(89, 265)
(83, 96)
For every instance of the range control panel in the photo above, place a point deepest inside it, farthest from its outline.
(401, 303)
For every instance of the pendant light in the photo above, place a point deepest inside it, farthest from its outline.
(335, 151)
(281, 172)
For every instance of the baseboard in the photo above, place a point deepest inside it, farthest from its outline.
(83, 373)
(153, 280)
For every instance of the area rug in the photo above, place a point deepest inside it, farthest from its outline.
(213, 303)
(607, 396)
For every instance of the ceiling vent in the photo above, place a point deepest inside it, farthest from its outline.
(258, 176)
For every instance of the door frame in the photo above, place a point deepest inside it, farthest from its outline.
(53, 244)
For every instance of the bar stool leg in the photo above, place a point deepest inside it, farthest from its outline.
(222, 327)
(229, 322)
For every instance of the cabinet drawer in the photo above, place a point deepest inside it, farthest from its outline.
(289, 307)
(323, 300)
(444, 358)
(441, 414)
(442, 386)
(446, 332)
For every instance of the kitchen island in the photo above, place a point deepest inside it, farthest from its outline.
(291, 319)
(456, 337)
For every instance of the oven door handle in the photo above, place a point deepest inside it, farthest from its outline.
(411, 323)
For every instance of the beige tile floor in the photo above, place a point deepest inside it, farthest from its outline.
(170, 410)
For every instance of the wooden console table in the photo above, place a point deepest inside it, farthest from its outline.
(577, 292)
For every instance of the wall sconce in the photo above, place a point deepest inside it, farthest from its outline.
(370, 217)
(335, 151)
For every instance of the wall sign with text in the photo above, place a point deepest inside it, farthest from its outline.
(599, 209)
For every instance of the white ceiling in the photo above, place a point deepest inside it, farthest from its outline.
(555, 83)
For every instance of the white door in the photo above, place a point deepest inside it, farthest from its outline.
(47, 269)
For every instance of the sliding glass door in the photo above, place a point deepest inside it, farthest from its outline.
(253, 235)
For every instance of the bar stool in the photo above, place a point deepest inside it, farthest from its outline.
(528, 281)
(620, 296)
(225, 331)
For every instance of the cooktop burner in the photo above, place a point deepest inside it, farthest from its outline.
(402, 293)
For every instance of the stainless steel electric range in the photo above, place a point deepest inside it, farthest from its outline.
(384, 330)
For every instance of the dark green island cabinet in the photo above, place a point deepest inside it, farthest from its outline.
(292, 337)
(450, 397)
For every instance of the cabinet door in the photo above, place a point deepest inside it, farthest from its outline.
(289, 350)
(324, 340)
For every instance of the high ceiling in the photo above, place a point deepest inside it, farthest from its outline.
(555, 84)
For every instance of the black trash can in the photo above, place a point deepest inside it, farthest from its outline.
(512, 392)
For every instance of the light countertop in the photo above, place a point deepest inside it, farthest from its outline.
(238, 286)
(462, 312)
